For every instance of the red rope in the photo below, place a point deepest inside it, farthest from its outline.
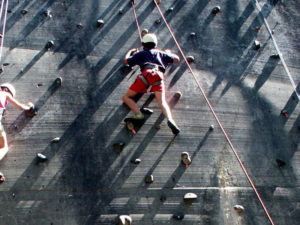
(136, 19)
(217, 119)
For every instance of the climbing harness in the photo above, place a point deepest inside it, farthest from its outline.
(213, 112)
(3, 24)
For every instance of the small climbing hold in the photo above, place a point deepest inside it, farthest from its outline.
(124, 220)
(79, 25)
(144, 31)
(49, 44)
(39, 85)
(170, 9)
(13, 195)
(149, 179)
(216, 10)
(136, 161)
(31, 112)
(190, 59)
(58, 81)
(121, 11)
(280, 163)
(275, 56)
(188, 197)
(284, 113)
(41, 158)
(239, 208)
(2, 178)
(55, 140)
(186, 159)
(1, 69)
(157, 127)
(9, 11)
(47, 13)
(24, 11)
(256, 44)
(178, 216)
(178, 94)
(5, 64)
(100, 23)
(163, 198)
(211, 127)
(158, 21)
(257, 29)
(193, 34)
(119, 146)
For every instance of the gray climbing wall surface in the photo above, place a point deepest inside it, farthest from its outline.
(85, 181)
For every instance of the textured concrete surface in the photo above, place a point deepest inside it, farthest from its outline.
(85, 181)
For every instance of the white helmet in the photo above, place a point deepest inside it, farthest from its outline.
(10, 88)
(149, 38)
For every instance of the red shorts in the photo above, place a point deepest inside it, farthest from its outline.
(152, 76)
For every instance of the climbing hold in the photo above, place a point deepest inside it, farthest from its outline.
(193, 34)
(149, 179)
(146, 111)
(188, 197)
(100, 23)
(24, 11)
(41, 158)
(163, 198)
(239, 208)
(31, 112)
(5, 64)
(79, 25)
(170, 9)
(49, 44)
(257, 29)
(9, 11)
(1, 69)
(58, 81)
(284, 113)
(158, 21)
(211, 127)
(186, 159)
(190, 59)
(47, 13)
(121, 11)
(124, 220)
(178, 94)
(157, 127)
(144, 31)
(55, 140)
(136, 161)
(2, 178)
(178, 216)
(275, 56)
(280, 163)
(119, 146)
(216, 10)
(256, 44)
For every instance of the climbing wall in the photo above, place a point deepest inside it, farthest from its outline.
(66, 56)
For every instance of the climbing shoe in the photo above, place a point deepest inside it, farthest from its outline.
(174, 128)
